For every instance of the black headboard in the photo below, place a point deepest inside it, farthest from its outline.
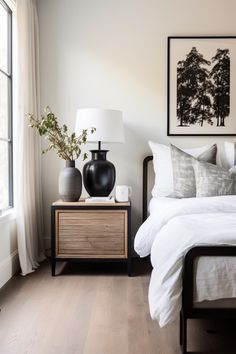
(145, 186)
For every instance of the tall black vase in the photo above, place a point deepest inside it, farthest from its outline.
(99, 175)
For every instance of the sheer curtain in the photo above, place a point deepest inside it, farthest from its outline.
(28, 149)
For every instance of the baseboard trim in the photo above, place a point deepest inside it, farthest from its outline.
(8, 267)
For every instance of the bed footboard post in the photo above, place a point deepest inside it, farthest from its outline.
(183, 332)
(180, 328)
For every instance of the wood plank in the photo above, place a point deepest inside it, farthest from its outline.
(95, 310)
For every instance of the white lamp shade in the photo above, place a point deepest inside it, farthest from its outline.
(108, 124)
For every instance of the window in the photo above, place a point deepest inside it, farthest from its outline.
(6, 158)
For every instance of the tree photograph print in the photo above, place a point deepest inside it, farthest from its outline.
(199, 86)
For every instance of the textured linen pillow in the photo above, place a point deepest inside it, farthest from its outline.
(213, 180)
(163, 167)
(183, 172)
(230, 154)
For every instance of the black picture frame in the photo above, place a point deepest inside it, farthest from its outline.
(180, 50)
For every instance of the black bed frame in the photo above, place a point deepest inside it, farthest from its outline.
(188, 310)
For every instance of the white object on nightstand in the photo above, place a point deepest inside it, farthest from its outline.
(123, 193)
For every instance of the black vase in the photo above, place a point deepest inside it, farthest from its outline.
(99, 175)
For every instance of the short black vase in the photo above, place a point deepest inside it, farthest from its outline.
(99, 175)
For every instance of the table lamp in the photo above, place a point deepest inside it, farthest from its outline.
(99, 174)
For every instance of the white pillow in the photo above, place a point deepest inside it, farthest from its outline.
(230, 154)
(163, 167)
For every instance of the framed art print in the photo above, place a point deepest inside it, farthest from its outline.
(201, 86)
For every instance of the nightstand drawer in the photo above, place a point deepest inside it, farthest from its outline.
(91, 233)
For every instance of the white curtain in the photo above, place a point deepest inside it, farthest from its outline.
(28, 148)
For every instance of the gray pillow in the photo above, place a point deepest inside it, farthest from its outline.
(183, 173)
(213, 180)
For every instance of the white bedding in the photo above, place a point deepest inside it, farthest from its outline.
(175, 226)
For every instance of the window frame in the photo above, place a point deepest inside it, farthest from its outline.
(8, 74)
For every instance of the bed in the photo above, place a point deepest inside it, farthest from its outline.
(193, 279)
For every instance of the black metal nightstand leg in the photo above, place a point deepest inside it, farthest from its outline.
(129, 267)
(53, 267)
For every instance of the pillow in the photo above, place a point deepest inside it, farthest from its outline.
(213, 180)
(230, 154)
(163, 167)
(183, 172)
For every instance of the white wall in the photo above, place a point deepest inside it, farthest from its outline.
(9, 262)
(113, 54)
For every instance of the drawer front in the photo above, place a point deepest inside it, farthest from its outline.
(91, 233)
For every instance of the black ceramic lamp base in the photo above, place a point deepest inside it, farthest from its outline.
(99, 175)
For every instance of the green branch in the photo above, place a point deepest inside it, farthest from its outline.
(66, 146)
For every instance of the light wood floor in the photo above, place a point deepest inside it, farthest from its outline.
(93, 310)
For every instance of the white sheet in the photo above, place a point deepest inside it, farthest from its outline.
(175, 226)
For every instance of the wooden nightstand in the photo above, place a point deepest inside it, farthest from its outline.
(90, 232)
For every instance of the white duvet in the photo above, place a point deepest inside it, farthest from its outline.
(174, 227)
